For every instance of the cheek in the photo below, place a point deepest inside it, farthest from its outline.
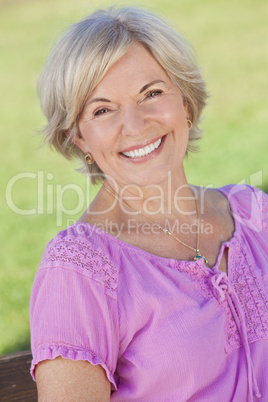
(94, 136)
(102, 130)
(170, 110)
(174, 118)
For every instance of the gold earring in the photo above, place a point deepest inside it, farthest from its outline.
(89, 158)
(190, 124)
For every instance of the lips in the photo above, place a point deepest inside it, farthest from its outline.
(144, 151)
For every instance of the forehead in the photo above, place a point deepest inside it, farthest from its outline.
(136, 68)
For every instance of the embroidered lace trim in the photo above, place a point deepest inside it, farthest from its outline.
(73, 251)
(249, 290)
(264, 205)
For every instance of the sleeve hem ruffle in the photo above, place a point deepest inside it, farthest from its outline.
(52, 351)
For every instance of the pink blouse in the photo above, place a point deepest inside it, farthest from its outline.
(162, 329)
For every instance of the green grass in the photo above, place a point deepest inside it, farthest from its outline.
(231, 40)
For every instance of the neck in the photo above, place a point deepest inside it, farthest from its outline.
(172, 198)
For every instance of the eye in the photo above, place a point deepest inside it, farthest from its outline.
(101, 111)
(153, 93)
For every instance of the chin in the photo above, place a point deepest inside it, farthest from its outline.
(150, 179)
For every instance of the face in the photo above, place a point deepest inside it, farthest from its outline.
(135, 122)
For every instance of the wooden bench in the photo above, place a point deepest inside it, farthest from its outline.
(16, 383)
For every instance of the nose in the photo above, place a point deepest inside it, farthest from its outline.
(134, 121)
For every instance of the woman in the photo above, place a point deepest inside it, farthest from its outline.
(159, 291)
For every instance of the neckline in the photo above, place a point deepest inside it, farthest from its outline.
(174, 261)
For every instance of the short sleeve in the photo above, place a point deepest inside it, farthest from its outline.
(73, 309)
(249, 206)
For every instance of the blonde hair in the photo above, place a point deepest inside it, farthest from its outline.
(88, 50)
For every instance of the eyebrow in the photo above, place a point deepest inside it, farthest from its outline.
(93, 100)
(97, 100)
(150, 83)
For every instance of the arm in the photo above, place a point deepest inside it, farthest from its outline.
(74, 314)
(67, 380)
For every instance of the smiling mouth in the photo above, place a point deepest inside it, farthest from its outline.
(140, 152)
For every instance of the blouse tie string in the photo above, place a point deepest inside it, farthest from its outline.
(223, 290)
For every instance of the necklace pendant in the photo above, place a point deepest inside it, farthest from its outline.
(199, 256)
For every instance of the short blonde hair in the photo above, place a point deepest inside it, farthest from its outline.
(88, 50)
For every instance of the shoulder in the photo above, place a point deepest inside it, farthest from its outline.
(248, 204)
(245, 205)
(84, 249)
(74, 307)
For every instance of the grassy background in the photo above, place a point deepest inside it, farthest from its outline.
(231, 40)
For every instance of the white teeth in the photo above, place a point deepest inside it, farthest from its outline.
(143, 151)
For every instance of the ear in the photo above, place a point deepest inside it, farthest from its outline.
(77, 139)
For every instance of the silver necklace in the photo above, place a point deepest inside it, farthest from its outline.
(198, 256)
